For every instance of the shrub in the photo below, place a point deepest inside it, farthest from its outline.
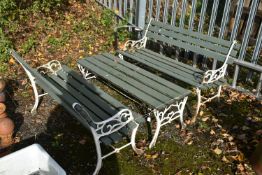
(47, 5)
(7, 8)
(5, 44)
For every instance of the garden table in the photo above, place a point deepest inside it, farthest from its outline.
(164, 99)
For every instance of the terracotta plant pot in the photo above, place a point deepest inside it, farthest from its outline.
(2, 97)
(2, 85)
(3, 115)
(2, 108)
(6, 132)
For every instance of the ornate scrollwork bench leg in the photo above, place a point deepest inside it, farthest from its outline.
(201, 100)
(167, 115)
(107, 127)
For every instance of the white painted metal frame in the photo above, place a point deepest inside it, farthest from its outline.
(53, 67)
(50, 67)
(107, 127)
(138, 44)
(86, 74)
(211, 76)
(166, 116)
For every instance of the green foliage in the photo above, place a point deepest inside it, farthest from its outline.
(47, 5)
(29, 44)
(107, 18)
(5, 44)
(60, 41)
(7, 13)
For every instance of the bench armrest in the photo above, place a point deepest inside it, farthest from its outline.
(211, 76)
(116, 30)
(133, 44)
(110, 125)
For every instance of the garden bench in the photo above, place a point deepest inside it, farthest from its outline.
(163, 99)
(108, 119)
(194, 42)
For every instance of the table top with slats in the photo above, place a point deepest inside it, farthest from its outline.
(146, 87)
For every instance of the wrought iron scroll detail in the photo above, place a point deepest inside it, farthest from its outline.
(114, 123)
(85, 73)
(136, 44)
(109, 126)
(51, 67)
(211, 76)
(170, 113)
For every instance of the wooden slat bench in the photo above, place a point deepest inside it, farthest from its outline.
(166, 99)
(197, 43)
(108, 119)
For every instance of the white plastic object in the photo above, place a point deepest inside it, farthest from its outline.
(31, 160)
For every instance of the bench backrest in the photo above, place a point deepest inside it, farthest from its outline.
(47, 86)
(196, 42)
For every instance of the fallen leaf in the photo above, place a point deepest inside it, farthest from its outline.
(224, 159)
(190, 142)
(153, 156)
(201, 113)
(12, 61)
(225, 135)
(204, 119)
(215, 120)
(217, 151)
(212, 132)
(240, 167)
(177, 126)
(230, 138)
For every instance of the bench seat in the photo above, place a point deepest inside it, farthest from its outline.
(171, 67)
(149, 88)
(161, 34)
(108, 119)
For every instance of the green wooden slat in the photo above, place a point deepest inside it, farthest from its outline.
(67, 85)
(71, 99)
(170, 62)
(186, 46)
(141, 78)
(86, 95)
(121, 84)
(193, 41)
(114, 70)
(97, 96)
(197, 78)
(150, 75)
(116, 104)
(168, 72)
(85, 91)
(185, 66)
(196, 34)
(175, 72)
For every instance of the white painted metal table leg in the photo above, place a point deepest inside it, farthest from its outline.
(198, 91)
(166, 116)
(85, 73)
